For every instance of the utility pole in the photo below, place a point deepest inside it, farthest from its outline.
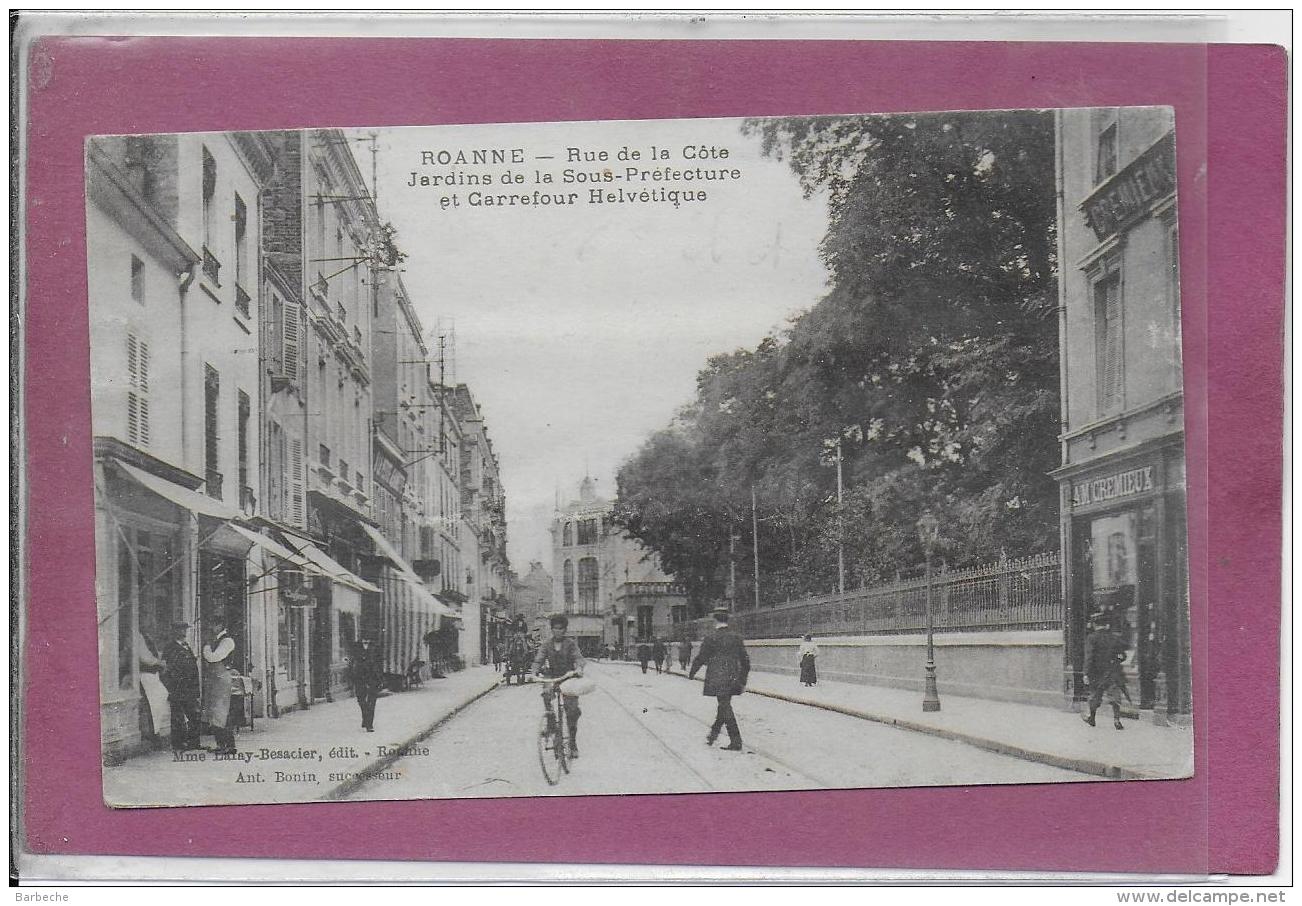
(754, 536)
(375, 183)
(732, 566)
(840, 527)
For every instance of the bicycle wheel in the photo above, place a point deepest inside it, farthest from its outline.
(549, 742)
(562, 744)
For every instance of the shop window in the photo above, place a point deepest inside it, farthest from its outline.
(147, 597)
(347, 634)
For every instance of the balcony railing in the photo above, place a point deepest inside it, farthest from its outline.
(242, 300)
(211, 266)
(213, 485)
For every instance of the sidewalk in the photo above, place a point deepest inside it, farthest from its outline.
(1059, 738)
(314, 754)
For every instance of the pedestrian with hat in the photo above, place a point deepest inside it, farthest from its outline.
(181, 679)
(367, 679)
(1105, 651)
(218, 683)
(807, 657)
(727, 667)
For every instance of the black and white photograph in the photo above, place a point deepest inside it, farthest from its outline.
(638, 457)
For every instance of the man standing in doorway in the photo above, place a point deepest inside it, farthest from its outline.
(181, 678)
(727, 667)
(218, 683)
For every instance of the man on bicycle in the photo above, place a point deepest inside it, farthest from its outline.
(558, 656)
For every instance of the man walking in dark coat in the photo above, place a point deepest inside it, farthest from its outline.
(643, 654)
(1105, 651)
(727, 667)
(367, 678)
(181, 679)
(658, 654)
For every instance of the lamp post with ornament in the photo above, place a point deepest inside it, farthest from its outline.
(928, 530)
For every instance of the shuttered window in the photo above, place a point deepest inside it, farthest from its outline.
(211, 398)
(296, 481)
(243, 441)
(137, 391)
(1108, 342)
(290, 335)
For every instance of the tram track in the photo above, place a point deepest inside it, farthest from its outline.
(758, 750)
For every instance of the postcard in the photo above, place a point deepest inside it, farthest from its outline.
(637, 457)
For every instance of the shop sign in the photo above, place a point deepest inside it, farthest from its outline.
(1126, 196)
(1112, 487)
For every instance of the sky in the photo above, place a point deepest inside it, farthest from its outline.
(580, 328)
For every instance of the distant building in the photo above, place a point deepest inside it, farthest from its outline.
(1122, 479)
(531, 595)
(610, 586)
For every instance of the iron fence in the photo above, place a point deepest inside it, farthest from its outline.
(1009, 594)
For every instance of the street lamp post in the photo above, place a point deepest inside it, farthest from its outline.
(928, 528)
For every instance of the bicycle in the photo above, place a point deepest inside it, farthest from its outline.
(553, 751)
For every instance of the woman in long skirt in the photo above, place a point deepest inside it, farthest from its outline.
(808, 655)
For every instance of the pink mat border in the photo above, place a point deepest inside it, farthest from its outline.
(1223, 820)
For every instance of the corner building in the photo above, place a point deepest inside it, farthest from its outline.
(1122, 479)
(611, 587)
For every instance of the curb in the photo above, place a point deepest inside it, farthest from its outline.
(361, 777)
(1080, 765)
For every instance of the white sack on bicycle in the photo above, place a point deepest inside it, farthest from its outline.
(577, 685)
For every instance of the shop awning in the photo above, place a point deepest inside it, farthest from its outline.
(272, 547)
(335, 571)
(390, 553)
(182, 497)
(318, 561)
(346, 600)
(429, 599)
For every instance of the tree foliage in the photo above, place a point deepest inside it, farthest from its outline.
(932, 359)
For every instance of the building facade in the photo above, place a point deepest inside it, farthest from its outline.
(172, 240)
(531, 595)
(412, 451)
(1122, 481)
(610, 586)
(271, 444)
(483, 512)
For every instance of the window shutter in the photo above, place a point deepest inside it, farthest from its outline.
(1113, 353)
(291, 335)
(137, 391)
(296, 481)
